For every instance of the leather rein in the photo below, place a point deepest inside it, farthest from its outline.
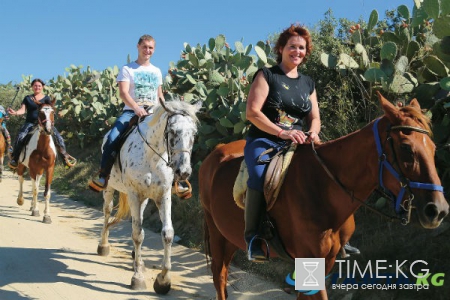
(383, 163)
(170, 152)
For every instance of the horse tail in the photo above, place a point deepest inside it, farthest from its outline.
(123, 210)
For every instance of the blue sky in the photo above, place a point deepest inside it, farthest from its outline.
(43, 38)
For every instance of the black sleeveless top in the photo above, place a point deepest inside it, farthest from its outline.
(288, 100)
(32, 108)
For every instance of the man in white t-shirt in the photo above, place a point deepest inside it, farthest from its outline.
(140, 84)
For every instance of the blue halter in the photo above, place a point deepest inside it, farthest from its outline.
(405, 183)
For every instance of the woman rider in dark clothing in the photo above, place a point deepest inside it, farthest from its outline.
(31, 109)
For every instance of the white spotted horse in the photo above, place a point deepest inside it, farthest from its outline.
(39, 156)
(155, 153)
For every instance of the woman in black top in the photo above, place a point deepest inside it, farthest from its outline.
(281, 103)
(31, 109)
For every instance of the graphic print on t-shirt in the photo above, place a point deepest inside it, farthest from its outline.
(145, 86)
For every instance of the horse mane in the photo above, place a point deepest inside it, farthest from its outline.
(179, 106)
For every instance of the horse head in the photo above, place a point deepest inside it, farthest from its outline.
(180, 132)
(408, 155)
(46, 116)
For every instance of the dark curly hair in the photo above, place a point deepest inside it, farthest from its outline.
(293, 30)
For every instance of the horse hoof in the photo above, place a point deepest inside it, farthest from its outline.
(138, 284)
(161, 289)
(103, 250)
(47, 220)
(20, 201)
(35, 213)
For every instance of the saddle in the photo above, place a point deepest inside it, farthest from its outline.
(276, 172)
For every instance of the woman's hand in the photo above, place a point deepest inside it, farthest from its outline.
(297, 136)
(11, 111)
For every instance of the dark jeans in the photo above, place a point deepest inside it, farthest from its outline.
(25, 130)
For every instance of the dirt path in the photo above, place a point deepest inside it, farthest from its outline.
(59, 261)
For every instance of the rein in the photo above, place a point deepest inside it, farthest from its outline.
(170, 151)
(405, 183)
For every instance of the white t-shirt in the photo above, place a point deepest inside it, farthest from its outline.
(144, 82)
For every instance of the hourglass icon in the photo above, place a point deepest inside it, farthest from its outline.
(310, 267)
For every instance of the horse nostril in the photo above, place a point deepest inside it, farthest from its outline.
(431, 211)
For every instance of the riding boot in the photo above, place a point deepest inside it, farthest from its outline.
(254, 209)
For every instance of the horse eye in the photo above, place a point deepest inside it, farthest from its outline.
(407, 153)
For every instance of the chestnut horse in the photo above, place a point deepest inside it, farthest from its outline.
(314, 210)
(39, 156)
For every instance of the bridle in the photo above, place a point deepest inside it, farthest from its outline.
(170, 151)
(42, 122)
(405, 183)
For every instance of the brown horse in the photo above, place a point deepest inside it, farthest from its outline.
(39, 156)
(2, 150)
(314, 210)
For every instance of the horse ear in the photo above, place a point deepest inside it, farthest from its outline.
(389, 109)
(53, 101)
(414, 103)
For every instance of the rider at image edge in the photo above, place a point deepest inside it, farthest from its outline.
(5, 131)
(30, 107)
(140, 86)
(282, 107)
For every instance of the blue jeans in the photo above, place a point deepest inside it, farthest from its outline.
(110, 148)
(257, 171)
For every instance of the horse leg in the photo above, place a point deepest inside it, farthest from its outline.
(20, 170)
(221, 252)
(162, 282)
(35, 187)
(137, 213)
(103, 246)
(48, 180)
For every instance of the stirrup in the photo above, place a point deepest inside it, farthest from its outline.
(181, 191)
(94, 186)
(258, 259)
(70, 161)
(12, 167)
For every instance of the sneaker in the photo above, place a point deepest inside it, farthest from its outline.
(13, 164)
(182, 189)
(350, 249)
(98, 185)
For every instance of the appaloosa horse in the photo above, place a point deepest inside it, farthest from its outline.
(313, 214)
(155, 153)
(39, 156)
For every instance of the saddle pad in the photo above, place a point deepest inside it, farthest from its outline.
(275, 175)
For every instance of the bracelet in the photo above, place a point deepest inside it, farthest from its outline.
(279, 133)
